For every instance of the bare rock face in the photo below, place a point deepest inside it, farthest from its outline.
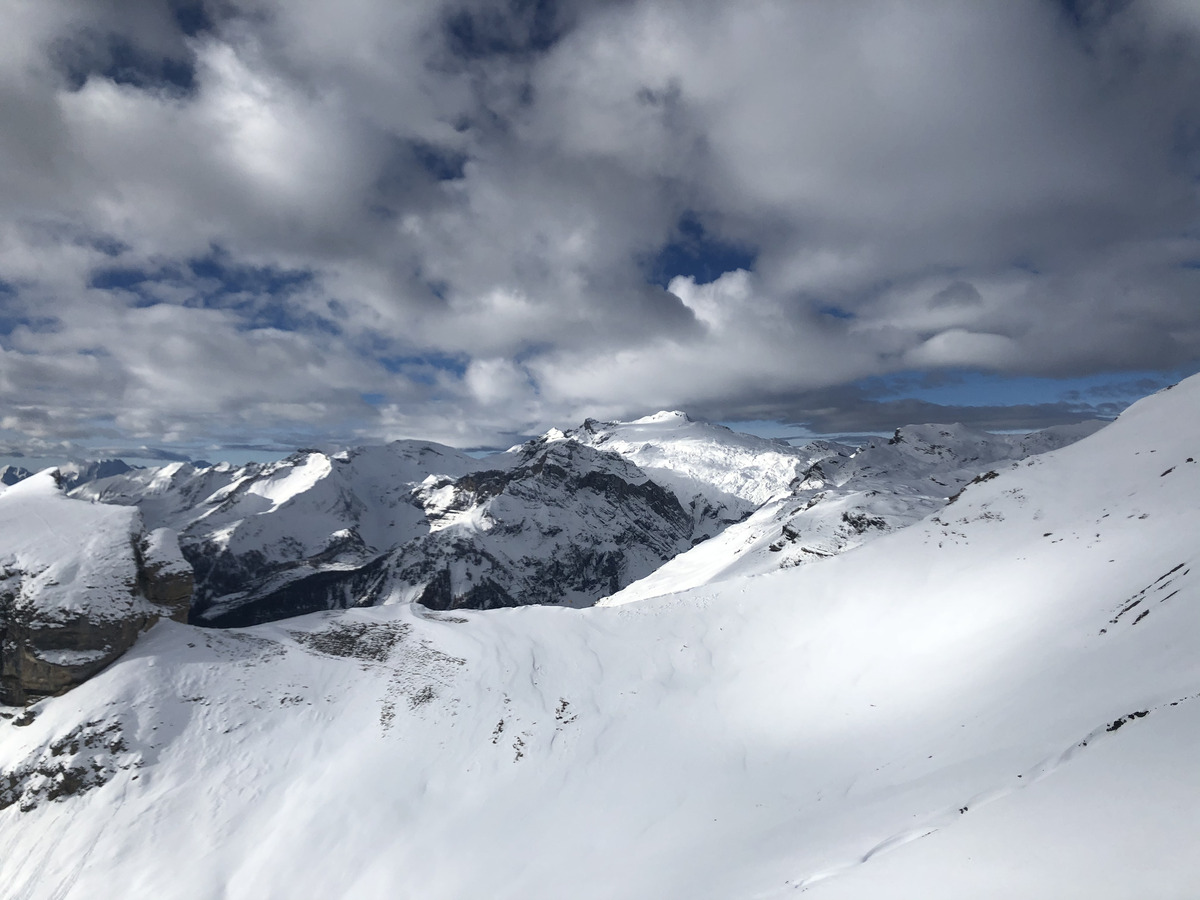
(78, 582)
(164, 576)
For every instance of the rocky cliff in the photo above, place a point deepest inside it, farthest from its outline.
(78, 582)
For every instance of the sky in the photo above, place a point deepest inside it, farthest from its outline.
(255, 225)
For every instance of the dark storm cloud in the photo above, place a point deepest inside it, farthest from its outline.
(229, 220)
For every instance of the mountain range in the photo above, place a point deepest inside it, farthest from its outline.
(650, 659)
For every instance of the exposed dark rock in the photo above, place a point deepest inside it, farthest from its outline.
(12, 474)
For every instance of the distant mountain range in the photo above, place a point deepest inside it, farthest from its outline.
(568, 518)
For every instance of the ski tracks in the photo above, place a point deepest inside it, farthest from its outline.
(947, 817)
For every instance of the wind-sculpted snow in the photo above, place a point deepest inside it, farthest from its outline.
(973, 706)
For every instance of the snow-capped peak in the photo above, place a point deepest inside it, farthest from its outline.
(662, 417)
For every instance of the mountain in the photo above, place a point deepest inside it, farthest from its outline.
(844, 497)
(1000, 700)
(567, 518)
(254, 531)
(701, 460)
(10, 475)
(551, 521)
(74, 474)
(71, 474)
(78, 582)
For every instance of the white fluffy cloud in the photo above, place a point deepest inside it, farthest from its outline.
(220, 222)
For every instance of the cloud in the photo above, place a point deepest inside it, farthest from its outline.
(957, 293)
(298, 222)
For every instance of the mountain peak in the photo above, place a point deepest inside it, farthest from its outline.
(663, 417)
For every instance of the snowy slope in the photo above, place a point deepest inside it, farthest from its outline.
(551, 521)
(843, 499)
(1002, 701)
(64, 557)
(706, 465)
(78, 581)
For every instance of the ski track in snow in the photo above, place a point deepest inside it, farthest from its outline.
(949, 816)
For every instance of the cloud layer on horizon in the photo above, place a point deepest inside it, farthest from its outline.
(459, 219)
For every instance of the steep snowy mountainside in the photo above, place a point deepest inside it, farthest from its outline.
(1002, 701)
(551, 521)
(557, 522)
(845, 499)
(77, 582)
(250, 531)
(733, 471)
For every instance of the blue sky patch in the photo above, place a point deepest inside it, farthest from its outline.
(423, 369)
(442, 163)
(697, 254)
(972, 388)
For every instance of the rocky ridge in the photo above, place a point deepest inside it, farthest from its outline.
(551, 521)
(565, 519)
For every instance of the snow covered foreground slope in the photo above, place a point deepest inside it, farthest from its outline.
(1003, 702)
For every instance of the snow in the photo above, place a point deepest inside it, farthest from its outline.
(971, 706)
(70, 657)
(848, 499)
(161, 549)
(291, 481)
(696, 458)
(65, 557)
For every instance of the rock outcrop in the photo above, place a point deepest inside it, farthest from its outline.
(78, 582)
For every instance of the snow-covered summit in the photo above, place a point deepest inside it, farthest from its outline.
(662, 417)
(727, 468)
(72, 557)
